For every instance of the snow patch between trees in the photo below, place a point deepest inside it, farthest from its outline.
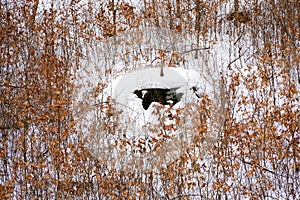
(124, 86)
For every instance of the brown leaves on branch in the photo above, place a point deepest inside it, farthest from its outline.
(247, 146)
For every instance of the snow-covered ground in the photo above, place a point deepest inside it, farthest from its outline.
(107, 65)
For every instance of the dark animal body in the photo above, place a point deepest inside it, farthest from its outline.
(160, 95)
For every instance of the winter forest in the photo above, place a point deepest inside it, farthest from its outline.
(148, 99)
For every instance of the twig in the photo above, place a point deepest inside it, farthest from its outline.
(191, 50)
(263, 168)
(187, 195)
(239, 57)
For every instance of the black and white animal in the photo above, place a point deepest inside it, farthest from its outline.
(160, 95)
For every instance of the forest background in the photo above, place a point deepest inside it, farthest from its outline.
(245, 141)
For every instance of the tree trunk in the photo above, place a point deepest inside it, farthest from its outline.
(33, 16)
(236, 6)
(197, 25)
(114, 17)
(178, 8)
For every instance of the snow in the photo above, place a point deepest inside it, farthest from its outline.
(140, 123)
(124, 86)
(134, 124)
